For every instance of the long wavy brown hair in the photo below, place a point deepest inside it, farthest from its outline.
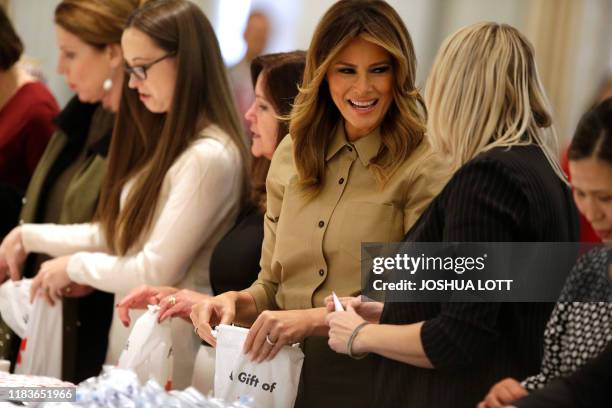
(146, 144)
(315, 116)
(283, 73)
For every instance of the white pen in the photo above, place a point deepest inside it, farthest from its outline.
(337, 303)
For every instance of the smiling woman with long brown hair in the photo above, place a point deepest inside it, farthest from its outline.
(354, 168)
(176, 176)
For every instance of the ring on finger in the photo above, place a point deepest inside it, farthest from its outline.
(270, 342)
(172, 300)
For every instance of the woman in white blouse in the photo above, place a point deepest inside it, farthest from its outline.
(176, 177)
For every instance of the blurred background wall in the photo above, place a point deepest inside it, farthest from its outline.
(572, 38)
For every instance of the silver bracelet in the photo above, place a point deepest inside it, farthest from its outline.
(349, 345)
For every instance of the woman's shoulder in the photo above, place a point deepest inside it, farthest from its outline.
(284, 150)
(589, 279)
(510, 164)
(212, 147)
(516, 160)
(424, 164)
(282, 168)
(37, 92)
(213, 139)
(35, 102)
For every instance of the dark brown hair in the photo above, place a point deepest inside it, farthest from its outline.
(11, 46)
(283, 74)
(593, 136)
(147, 144)
(315, 116)
(98, 23)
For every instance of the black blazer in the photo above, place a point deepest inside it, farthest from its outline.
(502, 195)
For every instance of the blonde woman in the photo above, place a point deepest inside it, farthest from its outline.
(355, 168)
(490, 119)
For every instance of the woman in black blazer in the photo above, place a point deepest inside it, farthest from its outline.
(489, 117)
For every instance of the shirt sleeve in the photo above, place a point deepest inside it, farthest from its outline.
(202, 186)
(485, 203)
(263, 290)
(555, 329)
(59, 240)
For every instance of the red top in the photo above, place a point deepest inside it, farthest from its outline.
(25, 129)
(586, 231)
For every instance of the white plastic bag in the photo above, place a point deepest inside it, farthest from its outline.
(148, 350)
(204, 370)
(271, 384)
(41, 347)
(15, 306)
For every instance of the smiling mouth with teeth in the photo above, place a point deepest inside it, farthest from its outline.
(363, 105)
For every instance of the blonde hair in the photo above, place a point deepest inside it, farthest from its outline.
(315, 116)
(484, 92)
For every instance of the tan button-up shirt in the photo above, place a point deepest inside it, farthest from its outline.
(313, 247)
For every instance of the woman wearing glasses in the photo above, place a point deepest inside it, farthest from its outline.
(176, 176)
(65, 186)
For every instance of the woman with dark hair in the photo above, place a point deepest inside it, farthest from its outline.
(27, 109)
(356, 168)
(176, 176)
(65, 187)
(580, 326)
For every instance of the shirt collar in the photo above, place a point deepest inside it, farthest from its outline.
(367, 147)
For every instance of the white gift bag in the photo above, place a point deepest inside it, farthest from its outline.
(148, 350)
(271, 384)
(15, 306)
(41, 348)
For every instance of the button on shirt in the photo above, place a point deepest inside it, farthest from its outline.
(313, 246)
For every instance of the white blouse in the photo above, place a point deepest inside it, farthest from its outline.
(198, 203)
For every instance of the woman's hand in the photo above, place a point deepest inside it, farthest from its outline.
(369, 310)
(12, 255)
(341, 326)
(52, 278)
(180, 304)
(140, 298)
(211, 312)
(274, 329)
(503, 394)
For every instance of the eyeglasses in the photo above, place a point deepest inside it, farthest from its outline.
(140, 71)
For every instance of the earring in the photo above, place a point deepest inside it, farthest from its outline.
(107, 85)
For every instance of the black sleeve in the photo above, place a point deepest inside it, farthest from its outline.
(485, 203)
(590, 386)
(10, 205)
